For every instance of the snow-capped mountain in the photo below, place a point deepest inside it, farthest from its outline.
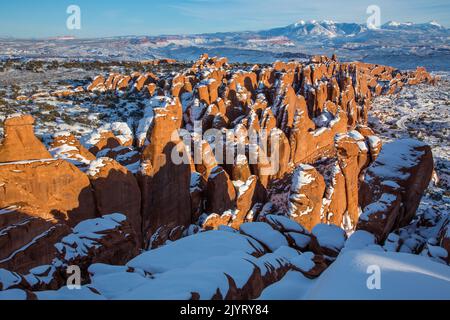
(326, 28)
(403, 45)
(330, 29)
(430, 26)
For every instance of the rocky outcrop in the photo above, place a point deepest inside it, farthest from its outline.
(324, 170)
(66, 146)
(43, 198)
(393, 186)
(197, 191)
(231, 265)
(101, 140)
(245, 196)
(305, 199)
(334, 203)
(327, 240)
(55, 189)
(165, 185)
(109, 240)
(116, 190)
(444, 239)
(27, 241)
(221, 193)
(20, 143)
(353, 156)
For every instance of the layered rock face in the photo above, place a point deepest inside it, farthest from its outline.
(55, 189)
(43, 197)
(108, 240)
(39, 185)
(271, 162)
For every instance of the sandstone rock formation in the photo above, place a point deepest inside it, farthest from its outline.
(165, 185)
(19, 142)
(116, 190)
(317, 110)
(445, 240)
(50, 189)
(221, 193)
(108, 240)
(66, 146)
(231, 265)
(393, 186)
(287, 169)
(305, 199)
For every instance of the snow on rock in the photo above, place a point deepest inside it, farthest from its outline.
(109, 239)
(265, 234)
(96, 165)
(15, 294)
(328, 239)
(298, 240)
(293, 286)
(93, 138)
(91, 239)
(20, 142)
(285, 224)
(204, 277)
(232, 275)
(66, 146)
(146, 122)
(396, 157)
(393, 186)
(123, 132)
(302, 177)
(120, 130)
(381, 207)
(359, 240)
(84, 293)
(297, 236)
(402, 276)
(188, 250)
(419, 112)
(304, 262)
(114, 283)
(9, 279)
(305, 198)
(102, 269)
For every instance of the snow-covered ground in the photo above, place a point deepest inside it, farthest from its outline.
(368, 275)
(421, 112)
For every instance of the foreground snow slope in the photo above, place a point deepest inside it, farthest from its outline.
(402, 276)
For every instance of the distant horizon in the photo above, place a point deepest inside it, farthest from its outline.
(75, 37)
(45, 19)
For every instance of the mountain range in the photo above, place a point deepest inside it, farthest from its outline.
(403, 45)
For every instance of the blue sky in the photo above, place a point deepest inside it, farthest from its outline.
(46, 18)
